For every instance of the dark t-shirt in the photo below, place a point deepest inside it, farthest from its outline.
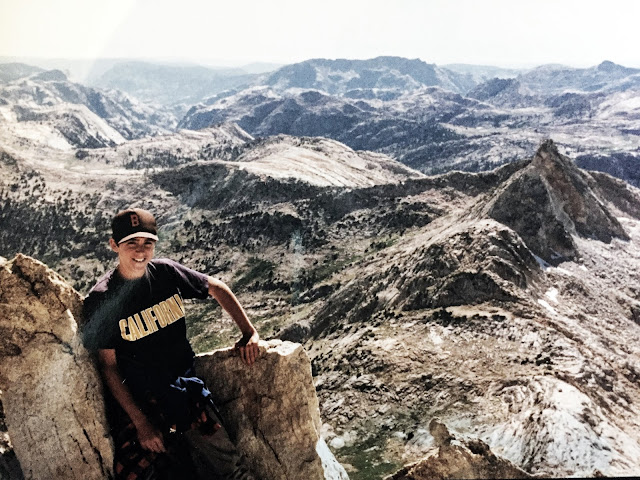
(143, 320)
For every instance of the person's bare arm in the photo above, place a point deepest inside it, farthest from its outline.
(149, 436)
(248, 344)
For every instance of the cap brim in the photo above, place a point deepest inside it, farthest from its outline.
(139, 234)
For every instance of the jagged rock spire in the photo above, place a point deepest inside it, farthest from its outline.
(549, 201)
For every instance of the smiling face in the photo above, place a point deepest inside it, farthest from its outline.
(134, 255)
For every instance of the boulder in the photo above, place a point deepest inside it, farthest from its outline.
(51, 390)
(53, 403)
(271, 411)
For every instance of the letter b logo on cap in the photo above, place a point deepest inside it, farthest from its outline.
(135, 220)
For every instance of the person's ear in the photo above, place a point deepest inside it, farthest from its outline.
(113, 245)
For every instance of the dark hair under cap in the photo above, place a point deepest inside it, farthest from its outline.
(133, 222)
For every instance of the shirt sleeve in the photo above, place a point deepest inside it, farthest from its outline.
(192, 284)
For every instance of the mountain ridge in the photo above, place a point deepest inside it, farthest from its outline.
(351, 75)
(171, 85)
(62, 112)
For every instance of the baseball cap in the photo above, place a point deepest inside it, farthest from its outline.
(133, 222)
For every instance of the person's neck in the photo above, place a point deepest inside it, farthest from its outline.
(128, 276)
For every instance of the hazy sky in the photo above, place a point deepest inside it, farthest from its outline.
(234, 32)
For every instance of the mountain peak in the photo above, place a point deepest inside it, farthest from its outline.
(549, 201)
(15, 70)
(546, 148)
(608, 66)
(51, 76)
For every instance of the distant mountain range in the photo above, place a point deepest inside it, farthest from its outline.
(361, 78)
(434, 120)
(170, 85)
(14, 71)
(431, 118)
(482, 73)
(605, 77)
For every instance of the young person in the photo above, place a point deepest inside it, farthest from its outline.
(136, 325)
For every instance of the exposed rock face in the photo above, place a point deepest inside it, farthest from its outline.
(271, 411)
(51, 391)
(458, 459)
(619, 193)
(549, 201)
(574, 190)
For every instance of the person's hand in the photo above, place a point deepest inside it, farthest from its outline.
(248, 347)
(150, 437)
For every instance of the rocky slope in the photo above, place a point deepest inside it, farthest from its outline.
(451, 458)
(467, 320)
(415, 296)
(48, 109)
(222, 142)
(321, 162)
(226, 147)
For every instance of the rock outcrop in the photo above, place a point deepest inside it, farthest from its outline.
(52, 393)
(458, 459)
(271, 411)
(550, 200)
(51, 390)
